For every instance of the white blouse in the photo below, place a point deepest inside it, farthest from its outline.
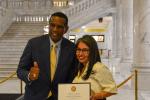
(101, 79)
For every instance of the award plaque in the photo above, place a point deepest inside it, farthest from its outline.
(74, 91)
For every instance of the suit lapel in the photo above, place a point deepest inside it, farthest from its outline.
(45, 58)
(61, 60)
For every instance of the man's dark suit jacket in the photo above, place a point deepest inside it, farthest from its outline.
(38, 49)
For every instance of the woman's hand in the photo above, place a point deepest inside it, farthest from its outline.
(96, 96)
(100, 95)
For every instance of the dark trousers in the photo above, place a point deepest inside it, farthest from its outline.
(102, 99)
(51, 98)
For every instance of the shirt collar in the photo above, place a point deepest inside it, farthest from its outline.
(57, 43)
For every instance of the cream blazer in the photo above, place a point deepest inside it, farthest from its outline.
(101, 79)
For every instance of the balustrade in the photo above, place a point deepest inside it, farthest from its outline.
(32, 18)
(39, 10)
(27, 4)
(83, 5)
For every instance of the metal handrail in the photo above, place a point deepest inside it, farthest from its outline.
(135, 83)
(7, 78)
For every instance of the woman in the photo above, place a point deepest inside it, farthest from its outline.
(90, 69)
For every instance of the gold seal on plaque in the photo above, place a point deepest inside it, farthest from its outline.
(73, 88)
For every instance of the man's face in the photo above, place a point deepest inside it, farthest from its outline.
(57, 28)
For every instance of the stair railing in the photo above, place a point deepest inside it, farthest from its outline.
(135, 75)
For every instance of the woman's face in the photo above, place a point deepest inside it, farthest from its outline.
(82, 53)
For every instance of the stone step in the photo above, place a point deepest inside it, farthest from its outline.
(13, 42)
(10, 56)
(7, 73)
(30, 26)
(9, 66)
(18, 38)
(11, 52)
(7, 70)
(23, 34)
(12, 45)
(27, 25)
(25, 31)
(11, 49)
(17, 43)
(9, 62)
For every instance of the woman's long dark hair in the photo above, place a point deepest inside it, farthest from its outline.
(93, 53)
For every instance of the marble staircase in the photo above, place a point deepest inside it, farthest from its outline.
(13, 42)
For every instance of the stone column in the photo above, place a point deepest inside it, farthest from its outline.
(127, 31)
(117, 38)
(141, 55)
(124, 30)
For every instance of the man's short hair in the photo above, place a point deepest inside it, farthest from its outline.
(62, 15)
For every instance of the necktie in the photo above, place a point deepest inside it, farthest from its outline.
(53, 58)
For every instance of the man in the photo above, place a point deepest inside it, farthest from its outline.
(35, 66)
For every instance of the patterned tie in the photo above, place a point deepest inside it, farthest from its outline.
(53, 58)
